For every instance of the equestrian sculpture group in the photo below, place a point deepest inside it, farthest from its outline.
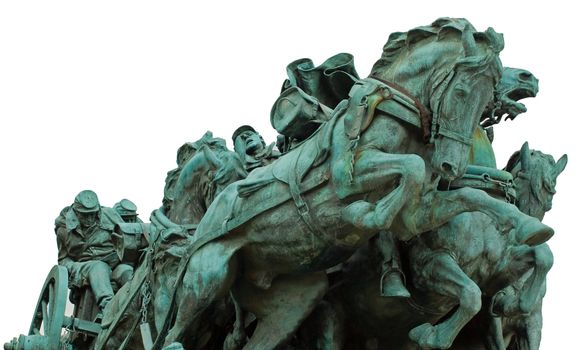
(382, 221)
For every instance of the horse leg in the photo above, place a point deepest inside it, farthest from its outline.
(324, 328)
(161, 304)
(446, 278)
(530, 335)
(494, 336)
(374, 170)
(533, 290)
(211, 271)
(282, 308)
(439, 207)
(530, 290)
(237, 337)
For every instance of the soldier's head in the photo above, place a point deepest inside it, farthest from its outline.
(87, 208)
(247, 140)
(127, 210)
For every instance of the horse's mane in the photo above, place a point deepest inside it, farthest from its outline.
(440, 29)
(512, 162)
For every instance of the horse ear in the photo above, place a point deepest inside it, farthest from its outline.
(468, 41)
(525, 156)
(561, 164)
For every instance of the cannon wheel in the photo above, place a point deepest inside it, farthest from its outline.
(49, 313)
(49, 317)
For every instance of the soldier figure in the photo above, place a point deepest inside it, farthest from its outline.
(127, 210)
(86, 249)
(252, 149)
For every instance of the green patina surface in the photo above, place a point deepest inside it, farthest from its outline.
(378, 219)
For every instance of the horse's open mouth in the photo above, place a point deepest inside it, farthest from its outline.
(519, 85)
(510, 100)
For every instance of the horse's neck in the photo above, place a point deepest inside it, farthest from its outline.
(186, 210)
(190, 199)
(528, 202)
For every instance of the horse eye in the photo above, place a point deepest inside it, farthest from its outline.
(460, 91)
(549, 186)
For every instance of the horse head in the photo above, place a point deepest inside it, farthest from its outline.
(516, 84)
(452, 70)
(206, 167)
(535, 175)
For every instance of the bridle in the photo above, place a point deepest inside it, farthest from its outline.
(431, 126)
(438, 128)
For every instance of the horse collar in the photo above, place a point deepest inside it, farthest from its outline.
(403, 96)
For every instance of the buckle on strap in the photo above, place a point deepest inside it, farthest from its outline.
(302, 206)
(300, 203)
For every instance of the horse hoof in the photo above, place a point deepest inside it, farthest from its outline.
(174, 346)
(421, 334)
(234, 340)
(428, 336)
(533, 232)
(504, 304)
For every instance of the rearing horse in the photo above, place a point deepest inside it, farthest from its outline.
(449, 270)
(205, 167)
(269, 238)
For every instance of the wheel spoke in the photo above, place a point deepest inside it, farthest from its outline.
(50, 307)
(45, 319)
(51, 294)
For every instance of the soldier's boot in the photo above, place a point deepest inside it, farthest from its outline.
(102, 305)
(392, 283)
(392, 279)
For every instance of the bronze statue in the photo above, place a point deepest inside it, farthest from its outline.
(356, 180)
(383, 222)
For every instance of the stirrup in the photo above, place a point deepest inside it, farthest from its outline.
(392, 285)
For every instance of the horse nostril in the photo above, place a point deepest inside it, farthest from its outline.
(525, 76)
(447, 167)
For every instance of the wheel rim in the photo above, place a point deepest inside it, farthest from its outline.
(49, 313)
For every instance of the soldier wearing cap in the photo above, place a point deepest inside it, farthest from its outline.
(86, 249)
(127, 210)
(252, 149)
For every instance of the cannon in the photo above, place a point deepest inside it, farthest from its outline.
(49, 320)
(50, 328)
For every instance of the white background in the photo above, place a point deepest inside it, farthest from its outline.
(100, 96)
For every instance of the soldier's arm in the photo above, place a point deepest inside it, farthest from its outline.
(63, 258)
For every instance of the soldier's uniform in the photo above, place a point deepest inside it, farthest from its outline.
(87, 251)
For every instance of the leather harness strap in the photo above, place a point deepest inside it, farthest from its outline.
(406, 107)
(300, 203)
